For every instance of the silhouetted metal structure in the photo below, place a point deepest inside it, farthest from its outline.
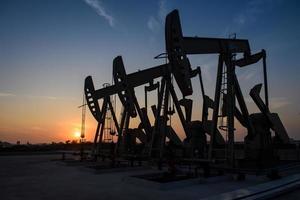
(228, 103)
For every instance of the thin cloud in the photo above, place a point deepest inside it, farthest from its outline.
(247, 75)
(100, 10)
(162, 11)
(52, 98)
(240, 19)
(275, 102)
(49, 97)
(155, 22)
(41, 97)
(248, 15)
(4, 94)
(279, 102)
(37, 128)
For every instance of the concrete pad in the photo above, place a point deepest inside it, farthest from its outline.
(38, 177)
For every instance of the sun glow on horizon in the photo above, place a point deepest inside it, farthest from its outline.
(77, 134)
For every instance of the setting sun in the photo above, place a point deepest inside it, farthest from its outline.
(77, 134)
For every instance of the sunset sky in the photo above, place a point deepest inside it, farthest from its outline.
(48, 47)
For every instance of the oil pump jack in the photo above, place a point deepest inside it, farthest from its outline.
(153, 137)
(98, 114)
(124, 87)
(227, 92)
(258, 125)
(179, 46)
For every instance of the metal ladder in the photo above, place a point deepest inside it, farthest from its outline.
(107, 137)
(223, 123)
(222, 118)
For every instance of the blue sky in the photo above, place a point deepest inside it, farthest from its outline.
(48, 47)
